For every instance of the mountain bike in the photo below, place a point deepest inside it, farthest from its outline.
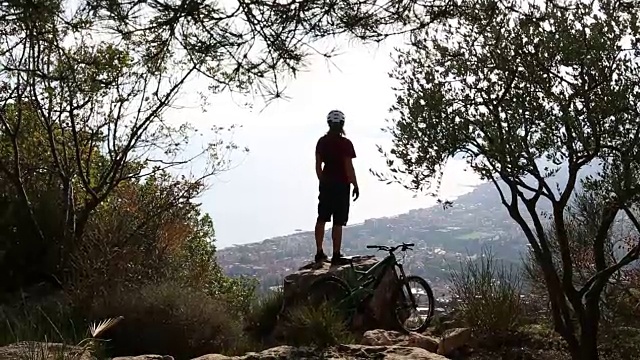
(353, 299)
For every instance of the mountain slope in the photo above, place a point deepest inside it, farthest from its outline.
(442, 238)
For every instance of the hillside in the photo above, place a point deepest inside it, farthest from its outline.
(442, 238)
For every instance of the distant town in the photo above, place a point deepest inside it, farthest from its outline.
(443, 238)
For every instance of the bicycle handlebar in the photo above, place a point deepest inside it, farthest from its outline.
(403, 246)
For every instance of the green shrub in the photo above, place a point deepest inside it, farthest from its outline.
(316, 326)
(170, 320)
(488, 294)
(238, 292)
(262, 317)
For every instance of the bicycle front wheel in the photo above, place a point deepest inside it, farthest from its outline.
(328, 289)
(414, 304)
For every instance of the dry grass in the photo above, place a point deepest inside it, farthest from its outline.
(488, 294)
(316, 326)
(262, 317)
(88, 348)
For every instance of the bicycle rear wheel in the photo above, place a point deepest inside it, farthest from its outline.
(329, 289)
(414, 304)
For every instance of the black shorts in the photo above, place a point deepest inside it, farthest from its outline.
(334, 201)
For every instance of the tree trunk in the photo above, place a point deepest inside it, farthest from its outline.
(588, 350)
(589, 329)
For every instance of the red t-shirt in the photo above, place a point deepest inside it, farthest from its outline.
(334, 150)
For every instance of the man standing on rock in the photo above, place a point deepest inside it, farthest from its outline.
(337, 153)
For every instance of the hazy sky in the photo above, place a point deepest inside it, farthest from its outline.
(272, 190)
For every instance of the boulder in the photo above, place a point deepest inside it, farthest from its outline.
(43, 351)
(375, 314)
(296, 283)
(453, 340)
(334, 353)
(381, 337)
(144, 357)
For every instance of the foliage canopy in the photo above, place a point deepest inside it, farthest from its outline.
(523, 91)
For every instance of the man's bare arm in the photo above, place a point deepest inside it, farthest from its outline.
(351, 172)
(318, 166)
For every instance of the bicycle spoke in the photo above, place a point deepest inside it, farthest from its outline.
(418, 310)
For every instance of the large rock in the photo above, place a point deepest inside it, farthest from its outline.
(144, 357)
(376, 312)
(454, 339)
(381, 337)
(339, 352)
(43, 351)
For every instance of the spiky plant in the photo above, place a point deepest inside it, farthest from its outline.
(95, 330)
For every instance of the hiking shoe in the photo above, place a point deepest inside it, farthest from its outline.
(337, 259)
(321, 257)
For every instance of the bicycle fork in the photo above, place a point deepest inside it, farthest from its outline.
(403, 280)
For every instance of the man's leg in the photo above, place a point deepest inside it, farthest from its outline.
(324, 215)
(319, 232)
(340, 218)
(336, 237)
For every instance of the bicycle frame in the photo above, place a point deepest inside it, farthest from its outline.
(357, 288)
(366, 282)
(370, 279)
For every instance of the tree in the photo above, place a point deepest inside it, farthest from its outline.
(92, 80)
(619, 299)
(523, 91)
(152, 232)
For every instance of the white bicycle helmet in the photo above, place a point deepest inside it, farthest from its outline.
(335, 116)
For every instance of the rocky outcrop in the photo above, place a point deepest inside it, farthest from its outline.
(447, 344)
(144, 357)
(387, 338)
(339, 352)
(376, 344)
(375, 313)
(43, 351)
